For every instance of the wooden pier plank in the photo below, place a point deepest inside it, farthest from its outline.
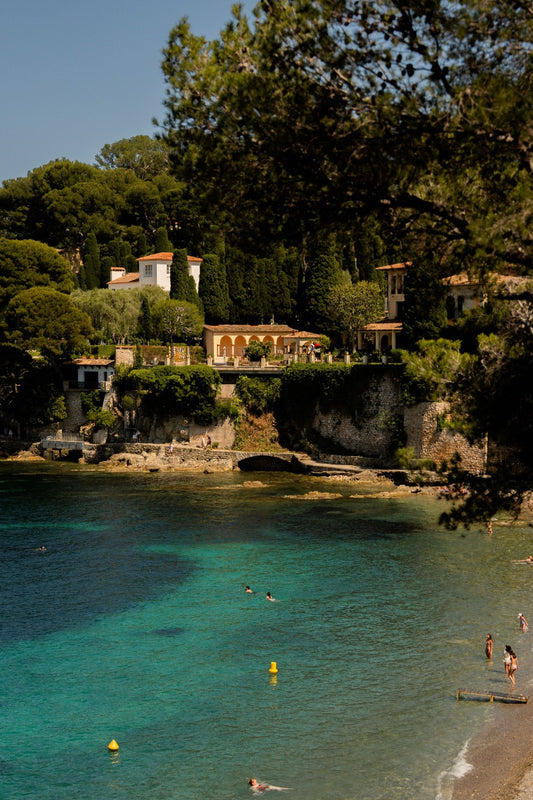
(465, 694)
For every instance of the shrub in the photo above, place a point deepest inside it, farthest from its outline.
(258, 350)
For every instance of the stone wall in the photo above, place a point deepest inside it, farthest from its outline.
(427, 437)
(167, 429)
(368, 425)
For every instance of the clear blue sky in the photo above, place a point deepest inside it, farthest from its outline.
(79, 75)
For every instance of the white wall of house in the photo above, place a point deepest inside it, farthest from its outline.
(155, 273)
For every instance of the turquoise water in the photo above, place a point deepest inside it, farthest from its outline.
(134, 625)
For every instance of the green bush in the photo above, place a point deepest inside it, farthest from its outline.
(404, 457)
(258, 394)
(190, 391)
(103, 418)
(258, 350)
(91, 402)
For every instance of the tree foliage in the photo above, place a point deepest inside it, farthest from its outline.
(286, 123)
(191, 391)
(46, 320)
(26, 264)
(355, 305)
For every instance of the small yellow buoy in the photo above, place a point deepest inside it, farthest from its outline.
(112, 745)
(273, 668)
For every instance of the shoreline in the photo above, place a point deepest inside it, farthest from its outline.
(500, 756)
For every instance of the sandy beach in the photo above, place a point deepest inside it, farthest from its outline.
(501, 755)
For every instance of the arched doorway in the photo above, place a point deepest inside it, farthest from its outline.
(238, 345)
(225, 348)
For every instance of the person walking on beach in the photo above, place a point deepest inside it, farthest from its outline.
(513, 667)
(507, 659)
(522, 621)
(489, 644)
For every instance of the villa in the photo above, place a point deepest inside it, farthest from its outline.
(154, 270)
(227, 341)
(384, 335)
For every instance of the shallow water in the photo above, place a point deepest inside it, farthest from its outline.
(134, 625)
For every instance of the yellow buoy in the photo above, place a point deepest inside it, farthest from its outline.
(112, 745)
(273, 668)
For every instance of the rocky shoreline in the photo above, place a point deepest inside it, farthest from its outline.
(151, 457)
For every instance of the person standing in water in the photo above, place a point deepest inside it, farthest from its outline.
(513, 666)
(489, 645)
(507, 659)
(522, 621)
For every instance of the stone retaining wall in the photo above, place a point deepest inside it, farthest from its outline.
(427, 437)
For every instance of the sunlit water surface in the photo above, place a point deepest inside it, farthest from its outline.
(134, 626)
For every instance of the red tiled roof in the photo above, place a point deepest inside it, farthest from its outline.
(249, 328)
(93, 362)
(383, 326)
(303, 335)
(401, 265)
(129, 277)
(157, 257)
(166, 257)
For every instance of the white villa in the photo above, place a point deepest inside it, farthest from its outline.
(154, 270)
(383, 335)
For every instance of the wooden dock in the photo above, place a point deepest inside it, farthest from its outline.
(477, 694)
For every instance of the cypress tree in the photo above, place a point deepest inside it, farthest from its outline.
(162, 243)
(179, 274)
(91, 261)
(323, 272)
(145, 321)
(424, 313)
(213, 290)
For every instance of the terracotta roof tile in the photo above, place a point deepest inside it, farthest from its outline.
(166, 257)
(129, 277)
(93, 362)
(401, 265)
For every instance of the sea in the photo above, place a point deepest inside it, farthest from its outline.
(133, 625)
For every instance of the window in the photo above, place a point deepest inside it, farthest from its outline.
(168, 269)
(147, 270)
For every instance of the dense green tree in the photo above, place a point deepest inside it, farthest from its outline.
(213, 290)
(351, 307)
(322, 273)
(180, 321)
(182, 285)
(38, 400)
(145, 330)
(143, 155)
(91, 263)
(26, 264)
(286, 124)
(424, 310)
(162, 243)
(46, 320)
(115, 315)
(179, 275)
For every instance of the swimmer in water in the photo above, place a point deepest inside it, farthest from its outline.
(248, 590)
(528, 560)
(269, 597)
(265, 787)
(41, 549)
